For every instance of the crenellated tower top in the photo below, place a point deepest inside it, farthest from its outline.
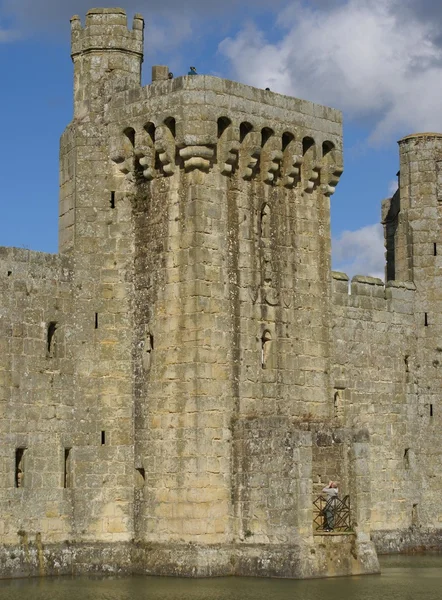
(107, 57)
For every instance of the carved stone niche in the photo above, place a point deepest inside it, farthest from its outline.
(121, 149)
(292, 161)
(228, 147)
(271, 155)
(165, 148)
(331, 168)
(145, 151)
(250, 151)
(312, 166)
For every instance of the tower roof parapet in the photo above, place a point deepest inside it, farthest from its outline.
(424, 135)
(106, 29)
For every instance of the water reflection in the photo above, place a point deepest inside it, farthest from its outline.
(403, 578)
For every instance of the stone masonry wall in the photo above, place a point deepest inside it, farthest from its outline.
(36, 399)
(376, 375)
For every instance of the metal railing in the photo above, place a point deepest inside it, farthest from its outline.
(331, 514)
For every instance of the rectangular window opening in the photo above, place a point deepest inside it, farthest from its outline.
(103, 438)
(50, 337)
(140, 477)
(67, 468)
(112, 199)
(431, 410)
(407, 458)
(96, 320)
(435, 249)
(20, 467)
(426, 320)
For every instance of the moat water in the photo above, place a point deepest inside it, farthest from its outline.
(402, 578)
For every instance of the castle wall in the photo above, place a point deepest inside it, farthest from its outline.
(378, 384)
(36, 397)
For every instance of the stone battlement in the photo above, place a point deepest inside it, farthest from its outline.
(106, 29)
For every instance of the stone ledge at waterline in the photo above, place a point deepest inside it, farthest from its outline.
(332, 556)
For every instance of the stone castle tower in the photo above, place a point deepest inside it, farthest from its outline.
(183, 378)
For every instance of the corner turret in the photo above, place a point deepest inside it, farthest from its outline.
(412, 217)
(107, 57)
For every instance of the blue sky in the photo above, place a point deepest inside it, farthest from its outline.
(380, 61)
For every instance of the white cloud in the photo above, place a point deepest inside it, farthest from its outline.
(360, 252)
(359, 56)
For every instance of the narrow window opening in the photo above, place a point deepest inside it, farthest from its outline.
(50, 338)
(130, 134)
(414, 516)
(9, 273)
(407, 458)
(266, 341)
(96, 320)
(337, 403)
(140, 477)
(20, 467)
(426, 320)
(407, 366)
(112, 199)
(266, 134)
(265, 222)
(431, 410)
(244, 129)
(327, 147)
(150, 129)
(287, 137)
(67, 468)
(171, 125)
(103, 438)
(434, 249)
(307, 143)
(223, 123)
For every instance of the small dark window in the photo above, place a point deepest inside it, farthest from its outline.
(130, 134)
(50, 339)
(307, 143)
(171, 125)
(96, 320)
(431, 410)
(20, 467)
(67, 468)
(426, 320)
(150, 129)
(407, 366)
(103, 438)
(223, 123)
(327, 147)
(112, 199)
(435, 249)
(266, 134)
(244, 129)
(287, 137)
(414, 516)
(407, 458)
(9, 273)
